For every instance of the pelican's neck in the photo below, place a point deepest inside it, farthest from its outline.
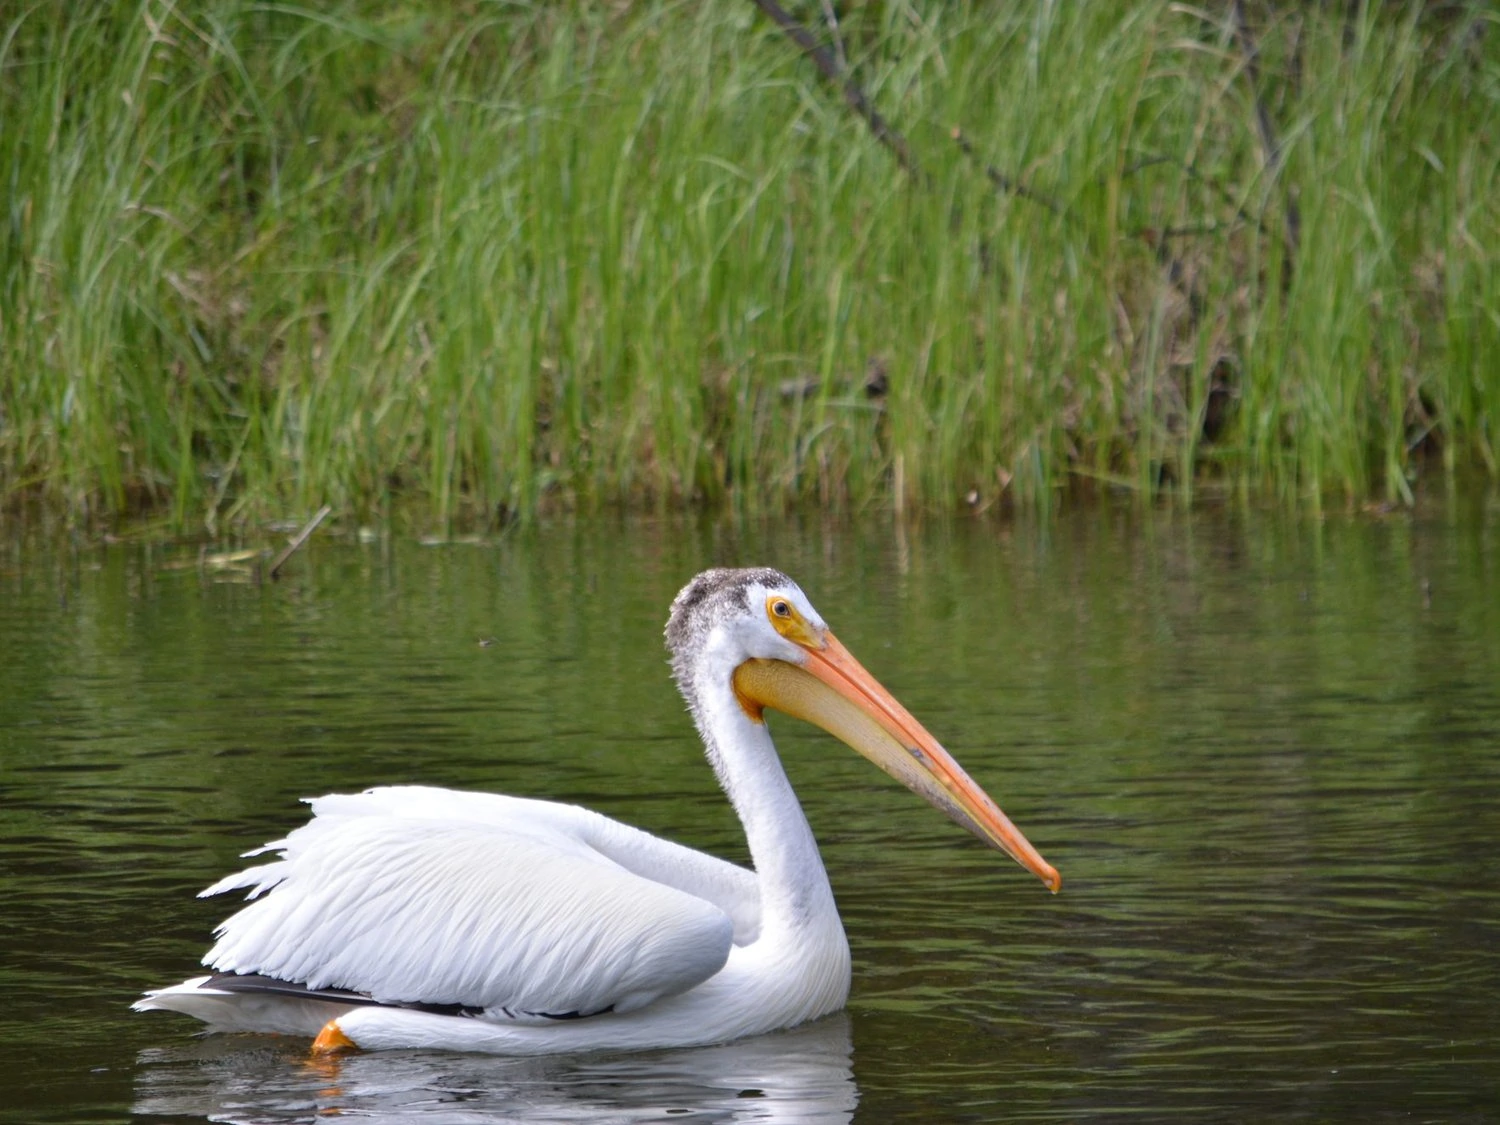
(794, 887)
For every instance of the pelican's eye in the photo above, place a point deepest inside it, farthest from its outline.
(789, 622)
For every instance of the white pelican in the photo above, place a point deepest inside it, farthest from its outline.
(420, 917)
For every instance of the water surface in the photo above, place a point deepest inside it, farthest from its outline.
(1262, 752)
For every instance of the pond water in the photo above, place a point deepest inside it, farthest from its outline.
(1263, 752)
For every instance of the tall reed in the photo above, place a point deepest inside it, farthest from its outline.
(501, 257)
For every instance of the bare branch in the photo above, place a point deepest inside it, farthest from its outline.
(835, 72)
(297, 540)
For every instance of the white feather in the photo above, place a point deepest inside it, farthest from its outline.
(427, 895)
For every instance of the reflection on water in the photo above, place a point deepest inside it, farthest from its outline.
(798, 1077)
(1263, 754)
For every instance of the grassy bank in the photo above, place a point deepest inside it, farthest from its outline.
(256, 256)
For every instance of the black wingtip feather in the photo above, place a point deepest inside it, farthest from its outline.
(270, 986)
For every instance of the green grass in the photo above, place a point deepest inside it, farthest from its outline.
(500, 258)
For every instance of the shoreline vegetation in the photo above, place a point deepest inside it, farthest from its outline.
(499, 259)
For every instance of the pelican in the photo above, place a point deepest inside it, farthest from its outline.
(416, 917)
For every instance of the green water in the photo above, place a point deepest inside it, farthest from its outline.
(1264, 754)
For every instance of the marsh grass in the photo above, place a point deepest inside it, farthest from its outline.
(258, 257)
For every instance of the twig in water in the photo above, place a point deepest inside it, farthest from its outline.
(297, 540)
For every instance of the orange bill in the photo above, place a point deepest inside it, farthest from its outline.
(835, 692)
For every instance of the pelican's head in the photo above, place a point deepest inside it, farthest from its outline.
(756, 630)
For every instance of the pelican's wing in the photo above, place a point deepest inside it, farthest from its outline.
(430, 896)
(733, 889)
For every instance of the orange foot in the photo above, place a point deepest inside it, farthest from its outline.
(331, 1040)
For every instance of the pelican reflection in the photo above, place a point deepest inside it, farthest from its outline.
(802, 1076)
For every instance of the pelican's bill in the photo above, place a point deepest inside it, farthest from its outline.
(834, 691)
